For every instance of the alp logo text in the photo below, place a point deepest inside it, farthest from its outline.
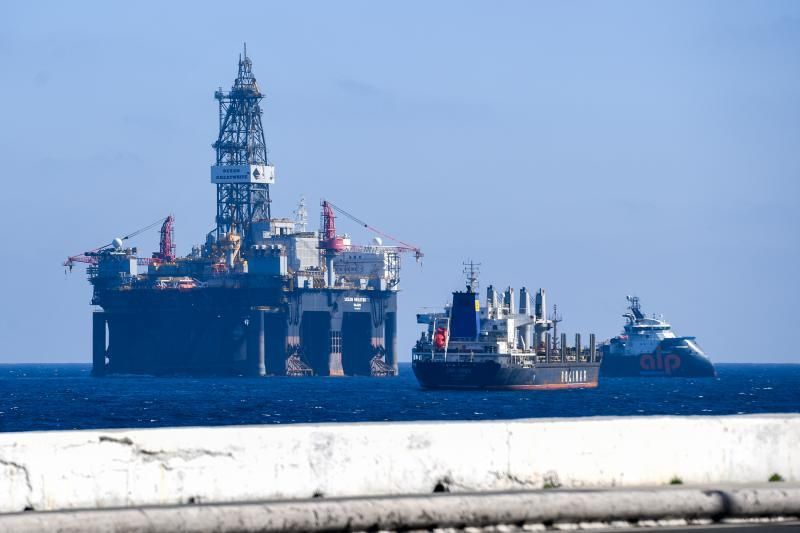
(658, 362)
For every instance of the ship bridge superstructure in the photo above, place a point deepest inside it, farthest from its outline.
(642, 333)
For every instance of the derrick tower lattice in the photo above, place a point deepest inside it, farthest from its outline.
(242, 172)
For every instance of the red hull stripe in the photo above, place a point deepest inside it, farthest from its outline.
(550, 386)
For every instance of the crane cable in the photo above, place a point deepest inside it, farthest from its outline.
(379, 232)
(142, 230)
(125, 238)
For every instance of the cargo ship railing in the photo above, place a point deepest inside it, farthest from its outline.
(558, 351)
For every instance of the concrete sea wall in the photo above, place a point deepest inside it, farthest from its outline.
(46, 471)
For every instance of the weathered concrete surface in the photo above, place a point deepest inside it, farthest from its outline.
(123, 468)
(429, 512)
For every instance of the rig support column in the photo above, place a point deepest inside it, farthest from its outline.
(262, 366)
(256, 354)
(293, 317)
(390, 335)
(378, 326)
(98, 343)
(592, 348)
(335, 359)
(563, 347)
(378, 340)
(577, 346)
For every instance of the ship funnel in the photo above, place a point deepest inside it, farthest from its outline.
(541, 305)
(540, 311)
(525, 309)
(524, 301)
(465, 316)
(508, 300)
(491, 300)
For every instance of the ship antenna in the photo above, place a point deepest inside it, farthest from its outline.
(555, 320)
(636, 310)
(556, 317)
(301, 216)
(471, 270)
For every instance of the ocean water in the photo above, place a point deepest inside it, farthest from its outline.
(58, 397)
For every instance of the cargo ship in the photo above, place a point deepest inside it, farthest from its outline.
(499, 346)
(649, 347)
(261, 295)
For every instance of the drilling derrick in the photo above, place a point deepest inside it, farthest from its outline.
(242, 172)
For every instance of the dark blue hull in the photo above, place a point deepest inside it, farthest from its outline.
(660, 364)
(491, 375)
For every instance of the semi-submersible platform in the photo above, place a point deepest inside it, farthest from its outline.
(262, 295)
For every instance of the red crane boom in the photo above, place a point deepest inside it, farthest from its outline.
(329, 239)
(329, 226)
(166, 248)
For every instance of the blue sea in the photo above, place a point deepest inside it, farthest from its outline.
(56, 397)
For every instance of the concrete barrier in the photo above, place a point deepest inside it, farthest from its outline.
(124, 468)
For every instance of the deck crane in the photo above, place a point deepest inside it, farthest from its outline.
(331, 242)
(332, 245)
(165, 254)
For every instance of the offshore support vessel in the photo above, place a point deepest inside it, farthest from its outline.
(262, 295)
(649, 347)
(499, 346)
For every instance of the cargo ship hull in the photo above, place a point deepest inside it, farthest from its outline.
(493, 375)
(663, 364)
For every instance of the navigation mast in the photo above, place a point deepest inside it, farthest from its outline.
(471, 270)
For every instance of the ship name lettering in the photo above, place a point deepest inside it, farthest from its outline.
(574, 376)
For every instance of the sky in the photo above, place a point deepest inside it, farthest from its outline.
(595, 149)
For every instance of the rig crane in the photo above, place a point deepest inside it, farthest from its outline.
(331, 242)
(166, 253)
(331, 245)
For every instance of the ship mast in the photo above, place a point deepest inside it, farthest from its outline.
(471, 271)
(301, 216)
(555, 320)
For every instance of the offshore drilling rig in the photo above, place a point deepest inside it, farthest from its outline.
(262, 295)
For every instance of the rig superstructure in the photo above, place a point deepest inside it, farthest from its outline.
(262, 295)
